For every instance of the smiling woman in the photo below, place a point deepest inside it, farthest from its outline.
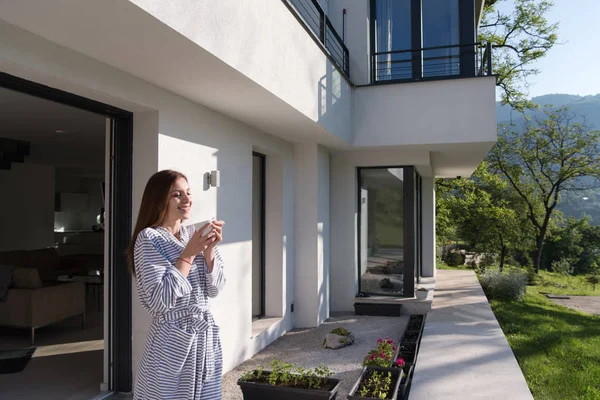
(177, 269)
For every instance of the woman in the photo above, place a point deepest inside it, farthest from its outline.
(176, 271)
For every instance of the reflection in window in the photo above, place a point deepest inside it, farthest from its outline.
(440, 28)
(382, 231)
(392, 32)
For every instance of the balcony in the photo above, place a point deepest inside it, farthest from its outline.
(432, 63)
(312, 16)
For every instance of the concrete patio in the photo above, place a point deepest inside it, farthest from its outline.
(464, 353)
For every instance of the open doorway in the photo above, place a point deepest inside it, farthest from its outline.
(65, 176)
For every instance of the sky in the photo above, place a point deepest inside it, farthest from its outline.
(572, 67)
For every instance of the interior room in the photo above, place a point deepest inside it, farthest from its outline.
(52, 246)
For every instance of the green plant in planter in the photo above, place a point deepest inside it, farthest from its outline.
(289, 375)
(382, 356)
(377, 385)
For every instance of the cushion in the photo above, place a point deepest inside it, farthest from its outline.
(26, 278)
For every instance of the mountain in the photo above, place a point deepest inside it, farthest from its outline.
(585, 108)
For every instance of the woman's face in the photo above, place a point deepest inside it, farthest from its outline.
(180, 201)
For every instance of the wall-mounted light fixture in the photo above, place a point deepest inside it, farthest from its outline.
(214, 178)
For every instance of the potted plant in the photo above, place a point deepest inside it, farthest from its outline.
(421, 293)
(377, 383)
(288, 381)
(383, 356)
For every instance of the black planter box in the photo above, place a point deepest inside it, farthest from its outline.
(408, 369)
(408, 357)
(396, 378)
(377, 309)
(15, 360)
(263, 391)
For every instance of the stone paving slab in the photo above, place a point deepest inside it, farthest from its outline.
(588, 304)
(464, 353)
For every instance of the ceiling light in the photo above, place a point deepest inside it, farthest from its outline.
(60, 131)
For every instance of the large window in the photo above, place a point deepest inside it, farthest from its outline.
(389, 226)
(421, 39)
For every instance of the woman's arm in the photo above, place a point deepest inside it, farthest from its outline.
(215, 274)
(160, 283)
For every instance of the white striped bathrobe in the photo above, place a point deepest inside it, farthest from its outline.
(182, 358)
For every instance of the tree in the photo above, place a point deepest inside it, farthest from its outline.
(551, 157)
(486, 212)
(519, 38)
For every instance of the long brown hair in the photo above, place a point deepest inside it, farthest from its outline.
(154, 205)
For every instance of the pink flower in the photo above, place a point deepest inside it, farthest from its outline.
(382, 356)
(393, 348)
(372, 357)
(390, 341)
(379, 340)
(400, 362)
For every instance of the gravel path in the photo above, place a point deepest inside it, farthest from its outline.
(304, 347)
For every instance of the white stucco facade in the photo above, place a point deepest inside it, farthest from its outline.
(208, 83)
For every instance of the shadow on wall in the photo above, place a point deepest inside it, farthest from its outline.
(334, 102)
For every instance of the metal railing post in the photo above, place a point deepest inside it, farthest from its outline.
(488, 48)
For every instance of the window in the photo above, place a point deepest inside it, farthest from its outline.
(420, 39)
(382, 231)
(258, 236)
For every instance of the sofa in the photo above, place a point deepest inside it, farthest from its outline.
(34, 297)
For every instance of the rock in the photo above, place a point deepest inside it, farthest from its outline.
(333, 341)
(386, 283)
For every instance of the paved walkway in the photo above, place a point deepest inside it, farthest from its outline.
(464, 354)
(588, 304)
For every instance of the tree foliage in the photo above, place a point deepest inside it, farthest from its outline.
(519, 38)
(550, 157)
(485, 212)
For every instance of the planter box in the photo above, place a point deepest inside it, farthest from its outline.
(15, 360)
(263, 391)
(377, 309)
(408, 369)
(416, 322)
(396, 378)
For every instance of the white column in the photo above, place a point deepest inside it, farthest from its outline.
(311, 213)
(429, 245)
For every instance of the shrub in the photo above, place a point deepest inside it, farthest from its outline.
(454, 259)
(562, 267)
(533, 279)
(510, 287)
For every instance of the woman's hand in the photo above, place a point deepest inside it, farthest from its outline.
(198, 243)
(209, 253)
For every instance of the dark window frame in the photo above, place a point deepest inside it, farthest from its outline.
(410, 226)
(263, 249)
(121, 172)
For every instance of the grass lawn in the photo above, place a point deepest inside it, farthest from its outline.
(558, 349)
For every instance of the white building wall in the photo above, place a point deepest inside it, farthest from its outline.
(171, 132)
(323, 235)
(265, 42)
(446, 111)
(429, 246)
(357, 35)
